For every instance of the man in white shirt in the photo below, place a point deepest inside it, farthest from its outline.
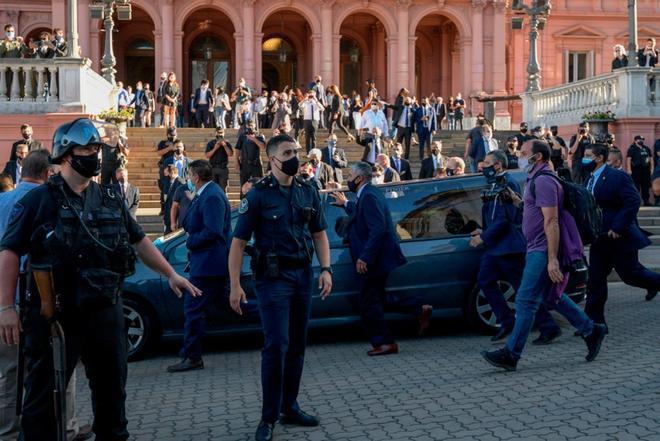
(311, 108)
(122, 96)
(372, 118)
(261, 107)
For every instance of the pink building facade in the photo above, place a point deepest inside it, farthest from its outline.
(428, 46)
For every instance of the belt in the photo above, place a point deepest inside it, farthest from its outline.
(283, 263)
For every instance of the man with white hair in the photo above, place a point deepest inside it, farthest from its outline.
(320, 170)
(389, 174)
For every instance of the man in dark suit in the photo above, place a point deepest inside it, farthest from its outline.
(389, 174)
(141, 102)
(425, 120)
(434, 162)
(335, 158)
(208, 224)
(33, 144)
(373, 146)
(171, 182)
(375, 249)
(621, 238)
(397, 110)
(404, 121)
(401, 165)
(202, 102)
(14, 168)
(320, 170)
(129, 192)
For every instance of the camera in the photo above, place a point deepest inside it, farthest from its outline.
(498, 190)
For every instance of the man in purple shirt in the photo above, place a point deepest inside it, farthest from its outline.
(541, 226)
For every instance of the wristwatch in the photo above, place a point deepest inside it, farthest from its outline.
(327, 268)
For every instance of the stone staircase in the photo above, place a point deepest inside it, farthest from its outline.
(143, 162)
(649, 220)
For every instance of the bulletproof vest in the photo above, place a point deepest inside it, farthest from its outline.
(104, 242)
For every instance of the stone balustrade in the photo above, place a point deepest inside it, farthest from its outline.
(632, 92)
(37, 86)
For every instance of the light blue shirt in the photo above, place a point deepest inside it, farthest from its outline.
(202, 188)
(596, 175)
(9, 199)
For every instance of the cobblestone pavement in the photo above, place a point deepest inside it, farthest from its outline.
(437, 388)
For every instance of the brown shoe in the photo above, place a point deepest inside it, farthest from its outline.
(384, 350)
(424, 319)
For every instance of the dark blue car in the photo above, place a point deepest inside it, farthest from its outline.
(433, 220)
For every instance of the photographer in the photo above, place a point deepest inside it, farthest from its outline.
(218, 152)
(577, 145)
(504, 258)
(248, 153)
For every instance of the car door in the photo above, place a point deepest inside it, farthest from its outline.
(433, 221)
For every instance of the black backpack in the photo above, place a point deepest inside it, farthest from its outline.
(580, 203)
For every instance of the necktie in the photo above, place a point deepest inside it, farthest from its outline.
(406, 117)
(398, 165)
(591, 183)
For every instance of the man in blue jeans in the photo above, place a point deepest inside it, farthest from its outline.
(542, 223)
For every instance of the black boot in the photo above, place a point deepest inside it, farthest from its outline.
(501, 358)
(264, 432)
(594, 340)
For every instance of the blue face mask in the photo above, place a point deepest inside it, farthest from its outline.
(587, 161)
(332, 143)
(191, 186)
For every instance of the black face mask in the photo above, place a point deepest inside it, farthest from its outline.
(27, 135)
(353, 186)
(450, 172)
(290, 166)
(219, 136)
(523, 130)
(489, 173)
(304, 175)
(86, 166)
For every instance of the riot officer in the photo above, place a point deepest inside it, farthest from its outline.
(82, 237)
(288, 223)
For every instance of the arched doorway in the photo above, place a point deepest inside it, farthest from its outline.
(279, 64)
(208, 50)
(133, 48)
(435, 39)
(286, 48)
(363, 53)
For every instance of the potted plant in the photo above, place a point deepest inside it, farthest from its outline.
(599, 122)
(119, 117)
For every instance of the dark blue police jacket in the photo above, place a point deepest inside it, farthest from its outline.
(208, 224)
(371, 233)
(616, 195)
(502, 231)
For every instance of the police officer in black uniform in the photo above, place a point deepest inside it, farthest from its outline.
(218, 151)
(249, 147)
(288, 223)
(82, 232)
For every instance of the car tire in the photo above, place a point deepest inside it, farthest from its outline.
(480, 314)
(142, 329)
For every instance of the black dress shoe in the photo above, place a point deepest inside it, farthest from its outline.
(186, 365)
(501, 334)
(594, 340)
(546, 339)
(650, 294)
(501, 358)
(264, 432)
(84, 433)
(299, 418)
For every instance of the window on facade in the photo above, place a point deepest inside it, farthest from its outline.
(579, 65)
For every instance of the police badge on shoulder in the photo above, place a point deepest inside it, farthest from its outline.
(245, 205)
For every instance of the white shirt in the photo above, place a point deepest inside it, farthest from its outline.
(404, 120)
(202, 96)
(371, 120)
(122, 98)
(261, 104)
(310, 110)
(131, 104)
(375, 144)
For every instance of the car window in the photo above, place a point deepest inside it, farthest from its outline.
(425, 214)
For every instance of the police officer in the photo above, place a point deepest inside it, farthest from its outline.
(248, 147)
(218, 151)
(288, 223)
(504, 258)
(82, 233)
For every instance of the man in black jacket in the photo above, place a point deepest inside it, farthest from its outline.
(335, 158)
(398, 163)
(434, 162)
(141, 102)
(14, 168)
(33, 144)
(202, 102)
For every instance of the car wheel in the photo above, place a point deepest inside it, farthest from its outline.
(480, 313)
(141, 328)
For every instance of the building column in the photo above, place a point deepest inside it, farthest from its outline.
(83, 27)
(445, 64)
(499, 49)
(316, 53)
(240, 59)
(94, 50)
(177, 43)
(158, 58)
(258, 38)
(58, 11)
(326, 70)
(336, 60)
(249, 70)
(412, 84)
(166, 36)
(402, 63)
(379, 47)
(477, 65)
(392, 89)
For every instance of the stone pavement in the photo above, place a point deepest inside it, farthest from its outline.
(437, 388)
